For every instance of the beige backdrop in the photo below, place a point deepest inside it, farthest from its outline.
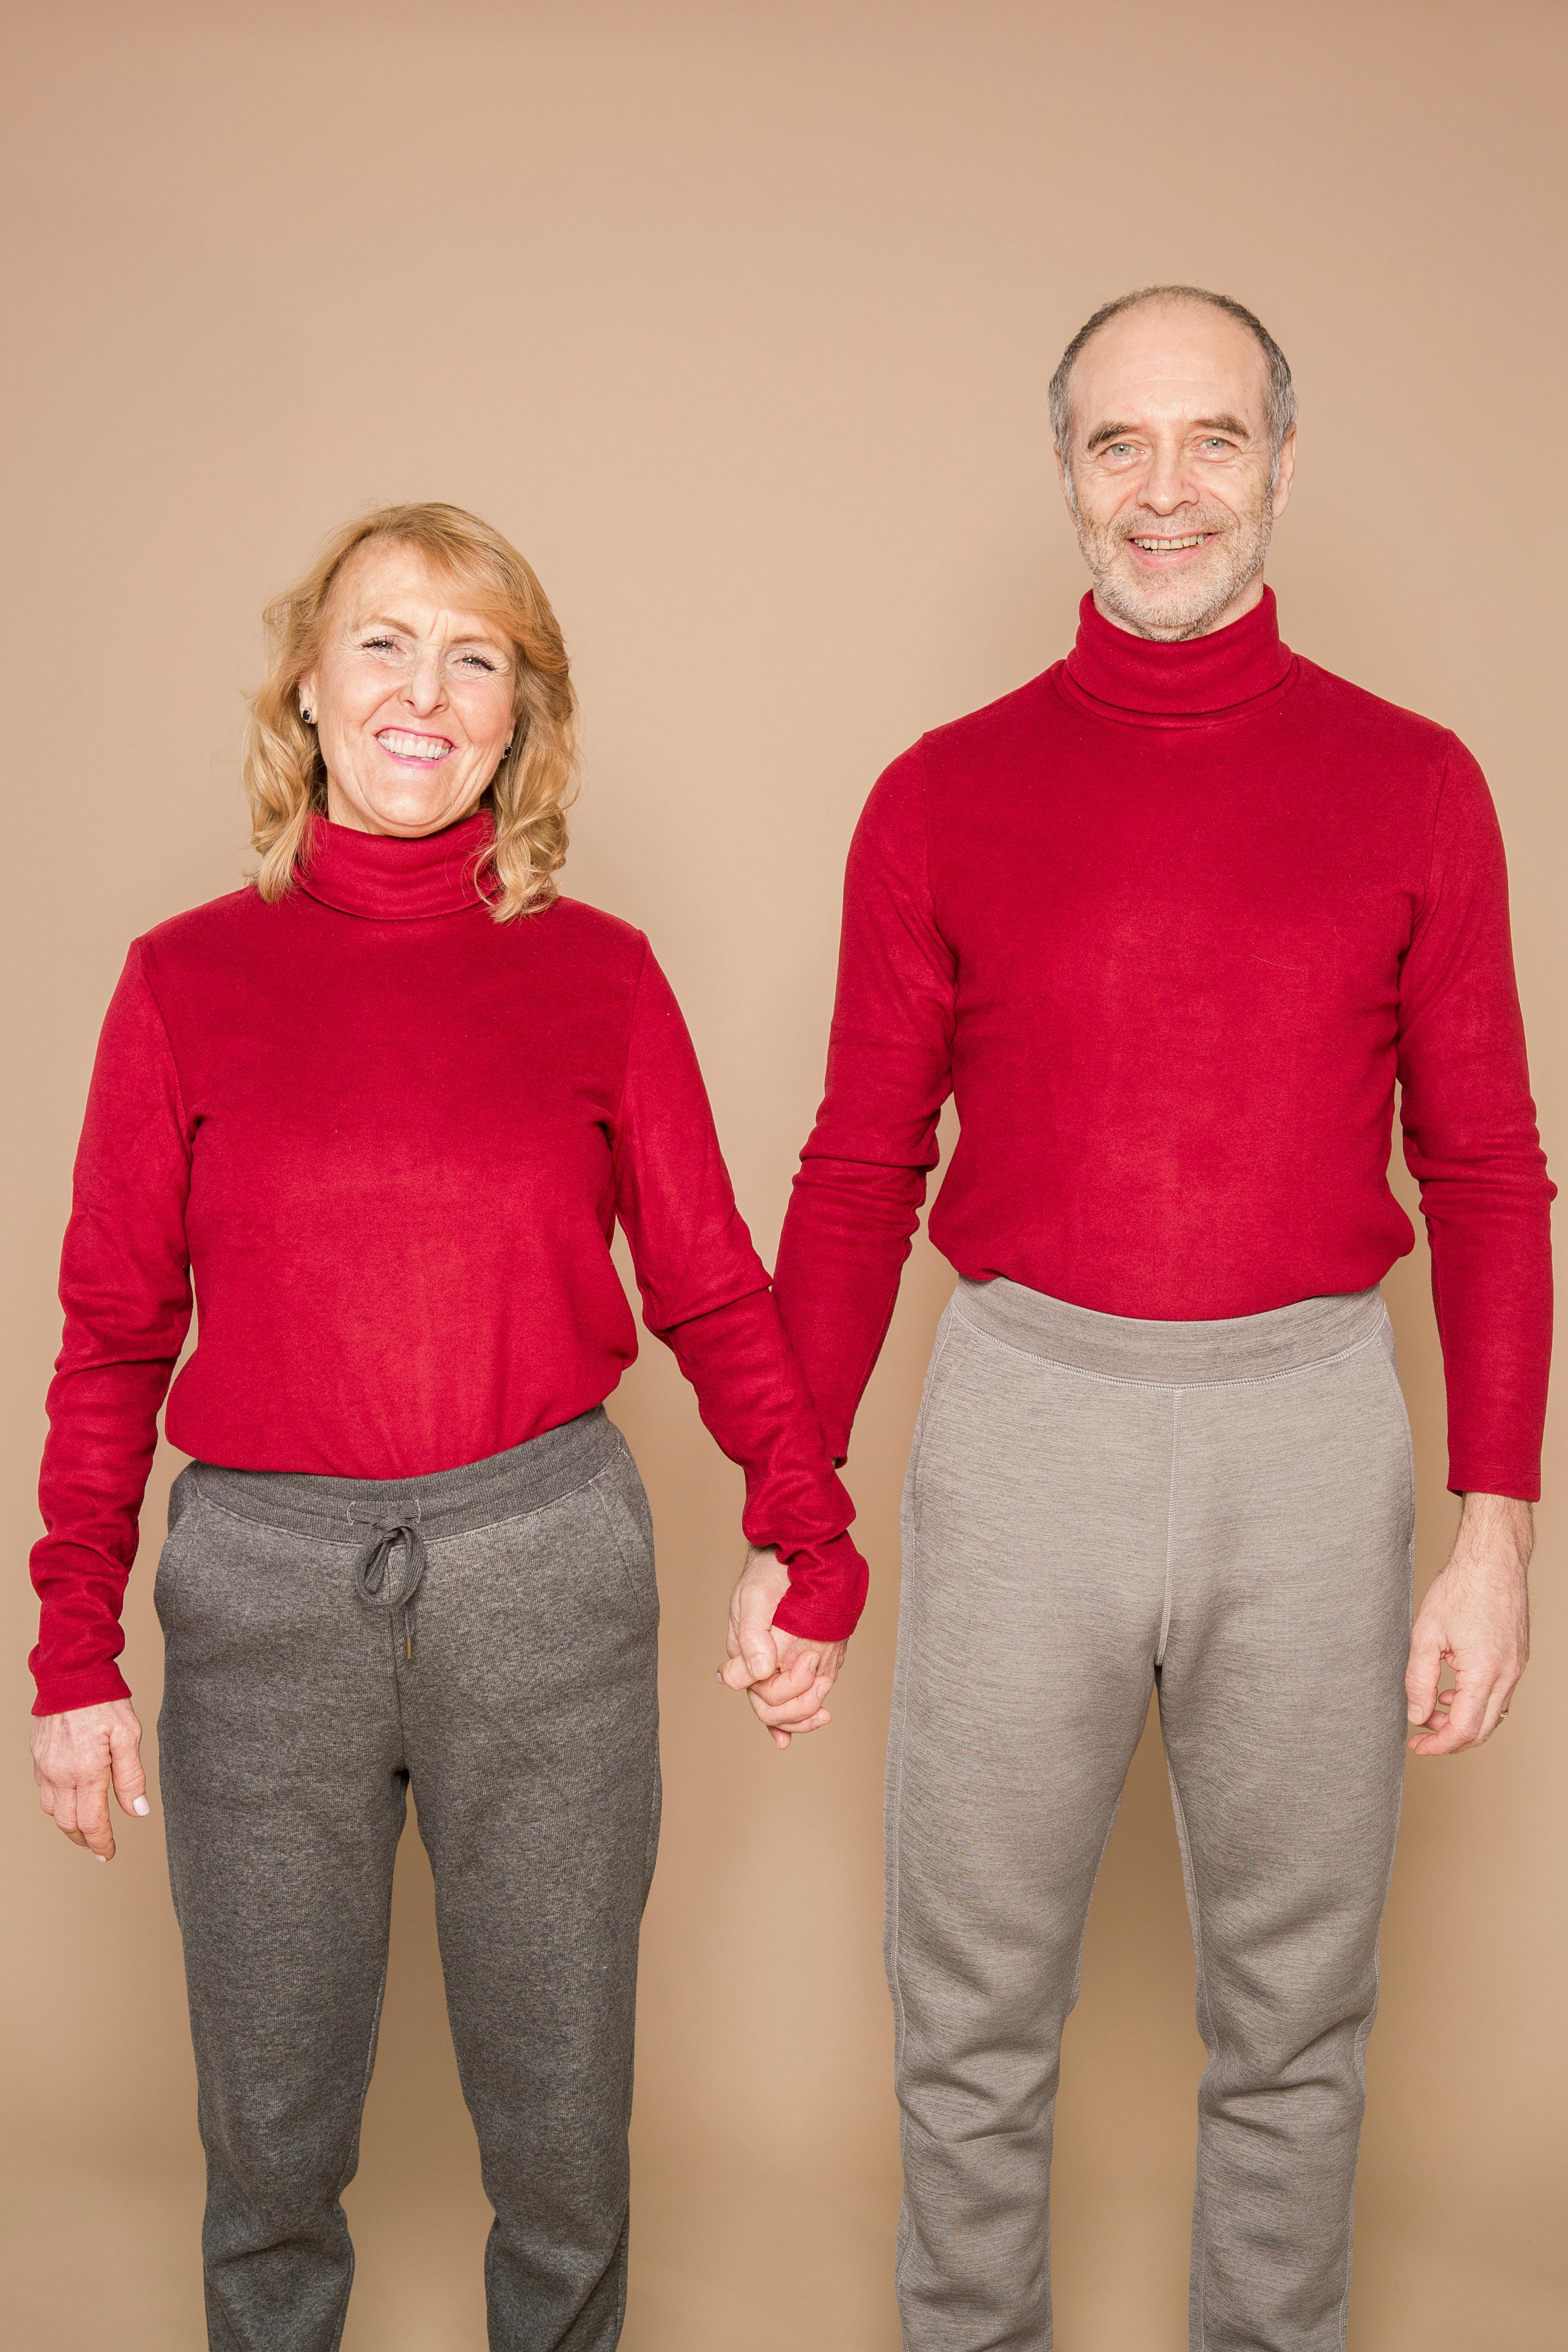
(738, 319)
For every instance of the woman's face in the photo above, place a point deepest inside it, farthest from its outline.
(411, 696)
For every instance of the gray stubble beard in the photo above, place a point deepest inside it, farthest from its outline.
(1242, 540)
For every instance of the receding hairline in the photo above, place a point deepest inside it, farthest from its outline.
(1279, 397)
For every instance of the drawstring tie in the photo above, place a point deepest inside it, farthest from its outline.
(372, 1572)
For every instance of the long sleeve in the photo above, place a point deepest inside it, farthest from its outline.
(1470, 1141)
(862, 1178)
(125, 1289)
(705, 1293)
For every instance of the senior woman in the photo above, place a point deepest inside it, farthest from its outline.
(382, 1110)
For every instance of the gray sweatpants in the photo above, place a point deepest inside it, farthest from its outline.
(1097, 1508)
(488, 1634)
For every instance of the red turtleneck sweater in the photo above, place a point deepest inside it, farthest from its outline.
(388, 1138)
(1169, 923)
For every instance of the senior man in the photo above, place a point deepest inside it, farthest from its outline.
(1170, 923)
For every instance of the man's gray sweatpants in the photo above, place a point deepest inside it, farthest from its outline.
(1097, 1508)
(488, 1636)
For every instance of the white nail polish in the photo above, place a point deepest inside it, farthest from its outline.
(140, 1805)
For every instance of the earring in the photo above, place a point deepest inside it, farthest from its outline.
(505, 748)
(308, 716)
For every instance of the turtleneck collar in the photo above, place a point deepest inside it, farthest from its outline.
(1196, 678)
(391, 880)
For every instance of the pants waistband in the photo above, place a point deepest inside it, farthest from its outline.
(507, 1486)
(1172, 1355)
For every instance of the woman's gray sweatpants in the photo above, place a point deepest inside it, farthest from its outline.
(1097, 1508)
(488, 1636)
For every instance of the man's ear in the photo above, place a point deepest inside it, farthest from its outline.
(1284, 473)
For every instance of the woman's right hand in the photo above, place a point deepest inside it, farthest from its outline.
(75, 1758)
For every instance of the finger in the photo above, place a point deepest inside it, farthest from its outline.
(793, 1704)
(754, 1633)
(1499, 1698)
(93, 1816)
(1460, 1728)
(1422, 1674)
(130, 1778)
(780, 1739)
(793, 1713)
(790, 1681)
(736, 1673)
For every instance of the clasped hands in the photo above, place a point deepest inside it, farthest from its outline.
(785, 1677)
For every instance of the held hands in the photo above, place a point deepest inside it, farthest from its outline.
(75, 1758)
(1476, 1619)
(785, 1677)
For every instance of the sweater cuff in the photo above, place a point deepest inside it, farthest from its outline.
(1482, 1477)
(827, 1583)
(63, 1689)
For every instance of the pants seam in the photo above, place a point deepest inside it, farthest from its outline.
(1170, 1529)
(900, 2021)
(1205, 2019)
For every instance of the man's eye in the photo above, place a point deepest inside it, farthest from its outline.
(1216, 443)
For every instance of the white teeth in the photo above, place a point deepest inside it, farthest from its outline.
(413, 747)
(1164, 546)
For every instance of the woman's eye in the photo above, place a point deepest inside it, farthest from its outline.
(478, 661)
(379, 646)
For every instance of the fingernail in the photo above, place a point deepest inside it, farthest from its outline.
(100, 1857)
(140, 1805)
(1414, 1716)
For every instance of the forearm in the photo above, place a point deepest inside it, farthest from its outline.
(1492, 1288)
(841, 1256)
(103, 1430)
(754, 1403)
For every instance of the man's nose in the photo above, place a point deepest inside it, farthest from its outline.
(1168, 484)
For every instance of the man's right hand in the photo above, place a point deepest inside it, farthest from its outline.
(76, 1757)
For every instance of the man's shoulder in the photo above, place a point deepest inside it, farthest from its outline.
(964, 749)
(1371, 721)
(996, 731)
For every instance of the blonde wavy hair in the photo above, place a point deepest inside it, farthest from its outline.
(528, 796)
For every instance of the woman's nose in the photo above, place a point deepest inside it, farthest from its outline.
(426, 684)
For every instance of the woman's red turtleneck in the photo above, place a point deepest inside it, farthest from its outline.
(1170, 924)
(388, 1138)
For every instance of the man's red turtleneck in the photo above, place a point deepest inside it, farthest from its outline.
(389, 1138)
(1169, 924)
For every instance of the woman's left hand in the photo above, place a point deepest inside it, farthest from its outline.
(785, 1677)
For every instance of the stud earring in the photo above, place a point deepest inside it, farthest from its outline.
(308, 716)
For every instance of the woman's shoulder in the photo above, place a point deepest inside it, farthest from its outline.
(578, 929)
(216, 927)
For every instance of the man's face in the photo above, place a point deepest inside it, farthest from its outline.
(1168, 473)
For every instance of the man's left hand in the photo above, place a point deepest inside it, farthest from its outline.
(1476, 1619)
(785, 1677)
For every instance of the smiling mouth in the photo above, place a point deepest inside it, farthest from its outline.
(1171, 546)
(403, 745)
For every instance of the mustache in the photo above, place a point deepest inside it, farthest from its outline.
(1186, 526)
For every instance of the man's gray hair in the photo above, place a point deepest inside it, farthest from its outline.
(1280, 399)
